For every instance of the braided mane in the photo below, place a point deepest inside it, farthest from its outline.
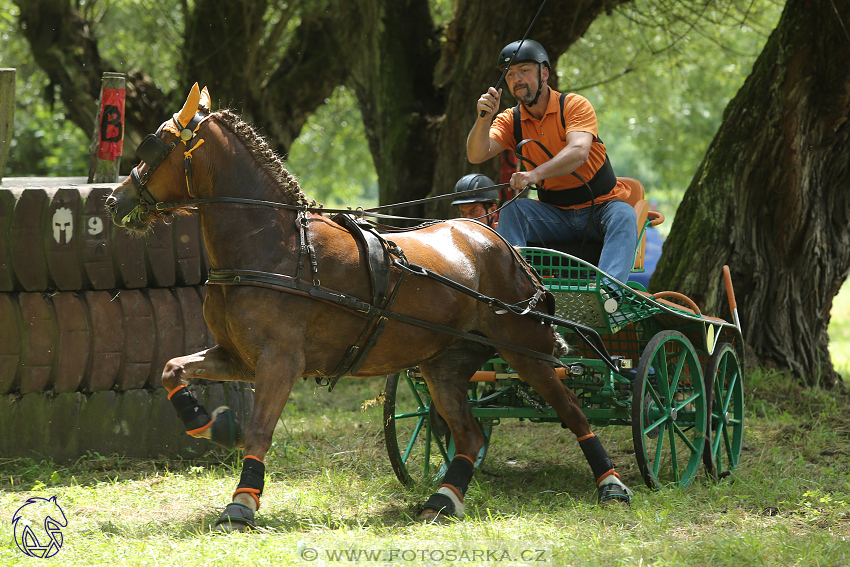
(264, 155)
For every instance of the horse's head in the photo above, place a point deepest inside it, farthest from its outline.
(164, 175)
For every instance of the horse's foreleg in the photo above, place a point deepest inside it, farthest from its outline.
(211, 364)
(540, 376)
(274, 382)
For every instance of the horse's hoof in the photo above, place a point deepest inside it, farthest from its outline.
(235, 518)
(614, 493)
(440, 507)
(225, 430)
(431, 516)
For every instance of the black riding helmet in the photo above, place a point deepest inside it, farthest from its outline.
(475, 181)
(530, 50)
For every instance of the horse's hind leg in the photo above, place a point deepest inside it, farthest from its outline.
(448, 382)
(541, 376)
(211, 364)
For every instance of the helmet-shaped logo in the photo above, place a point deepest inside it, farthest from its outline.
(38, 527)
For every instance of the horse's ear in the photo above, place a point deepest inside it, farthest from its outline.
(205, 100)
(191, 106)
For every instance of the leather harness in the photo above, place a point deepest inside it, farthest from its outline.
(380, 256)
(602, 183)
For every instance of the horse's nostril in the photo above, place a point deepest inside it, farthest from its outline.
(111, 203)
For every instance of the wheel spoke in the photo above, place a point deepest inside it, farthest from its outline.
(655, 424)
(413, 437)
(658, 448)
(684, 438)
(673, 457)
(413, 390)
(678, 372)
(687, 401)
(662, 374)
(729, 391)
(728, 443)
(442, 448)
(655, 397)
(718, 438)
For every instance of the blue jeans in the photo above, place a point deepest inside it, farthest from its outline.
(530, 220)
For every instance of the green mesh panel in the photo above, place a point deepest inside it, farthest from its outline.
(582, 297)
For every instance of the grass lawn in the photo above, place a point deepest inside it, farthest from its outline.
(331, 496)
(330, 490)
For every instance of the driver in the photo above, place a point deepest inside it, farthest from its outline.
(569, 208)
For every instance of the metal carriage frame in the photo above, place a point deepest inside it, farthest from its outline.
(673, 374)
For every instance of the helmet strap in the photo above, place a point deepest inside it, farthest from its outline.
(539, 85)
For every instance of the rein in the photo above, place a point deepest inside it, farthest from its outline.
(153, 152)
(146, 205)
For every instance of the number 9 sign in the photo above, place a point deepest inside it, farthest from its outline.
(95, 225)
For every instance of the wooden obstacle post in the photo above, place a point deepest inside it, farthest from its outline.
(108, 138)
(7, 114)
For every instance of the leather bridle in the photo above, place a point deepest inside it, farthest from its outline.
(153, 152)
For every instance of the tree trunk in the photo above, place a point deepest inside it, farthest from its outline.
(467, 68)
(416, 92)
(64, 47)
(771, 198)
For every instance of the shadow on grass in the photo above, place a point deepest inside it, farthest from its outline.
(23, 474)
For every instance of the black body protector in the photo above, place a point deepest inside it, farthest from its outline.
(602, 182)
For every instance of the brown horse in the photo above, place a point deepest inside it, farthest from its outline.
(271, 330)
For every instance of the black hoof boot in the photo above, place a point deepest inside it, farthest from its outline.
(614, 494)
(225, 430)
(235, 518)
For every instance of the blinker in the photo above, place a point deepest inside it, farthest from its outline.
(152, 149)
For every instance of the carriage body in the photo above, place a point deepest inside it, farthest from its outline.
(673, 374)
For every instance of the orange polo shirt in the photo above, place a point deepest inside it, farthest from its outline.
(579, 116)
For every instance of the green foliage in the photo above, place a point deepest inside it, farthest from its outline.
(43, 142)
(142, 34)
(839, 331)
(331, 157)
(131, 34)
(658, 73)
(660, 76)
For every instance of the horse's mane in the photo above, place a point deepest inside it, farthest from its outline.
(264, 155)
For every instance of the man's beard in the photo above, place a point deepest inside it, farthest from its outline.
(526, 97)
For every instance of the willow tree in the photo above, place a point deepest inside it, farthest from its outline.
(772, 196)
(416, 79)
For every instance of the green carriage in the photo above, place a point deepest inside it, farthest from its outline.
(675, 375)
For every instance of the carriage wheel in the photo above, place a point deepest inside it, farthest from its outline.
(724, 389)
(668, 411)
(417, 452)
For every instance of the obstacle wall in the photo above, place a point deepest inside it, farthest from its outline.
(89, 315)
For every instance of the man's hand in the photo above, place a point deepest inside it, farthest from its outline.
(489, 103)
(521, 179)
